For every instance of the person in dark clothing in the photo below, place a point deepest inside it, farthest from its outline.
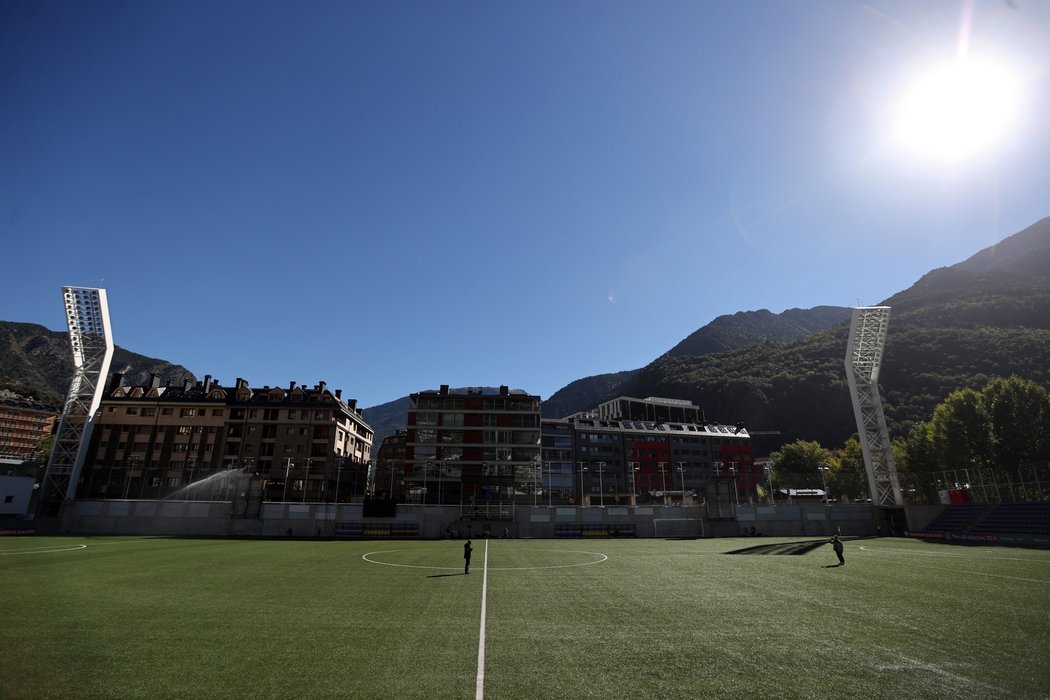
(836, 544)
(467, 549)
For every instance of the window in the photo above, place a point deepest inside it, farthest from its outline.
(149, 411)
(132, 411)
(453, 419)
(524, 420)
(187, 412)
(270, 414)
(292, 413)
(216, 412)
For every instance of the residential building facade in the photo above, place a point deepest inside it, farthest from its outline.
(304, 444)
(478, 448)
(22, 424)
(646, 451)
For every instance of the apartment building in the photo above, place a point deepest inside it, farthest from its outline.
(479, 448)
(22, 424)
(630, 451)
(304, 444)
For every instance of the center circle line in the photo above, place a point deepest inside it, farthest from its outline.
(604, 557)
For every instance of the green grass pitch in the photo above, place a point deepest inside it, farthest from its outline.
(182, 618)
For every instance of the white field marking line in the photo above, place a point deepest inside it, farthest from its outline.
(604, 557)
(909, 553)
(479, 691)
(53, 549)
(979, 573)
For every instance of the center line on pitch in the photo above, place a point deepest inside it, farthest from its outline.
(479, 693)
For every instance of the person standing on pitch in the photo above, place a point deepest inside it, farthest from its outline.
(467, 549)
(836, 544)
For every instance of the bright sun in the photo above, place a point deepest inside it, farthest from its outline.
(956, 111)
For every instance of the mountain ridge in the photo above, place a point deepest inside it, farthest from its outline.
(957, 326)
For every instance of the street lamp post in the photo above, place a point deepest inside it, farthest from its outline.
(601, 488)
(769, 476)
(338, 476)
(127, 476)
(681, 470)
(306, 479)
(550, 488)
(426, 468)
(537, 477)
(663, 481)
(823, 467)
(633, 466)
(249, 467)
(736, 494)
(193, 466)
(582, 470)
(288, 464)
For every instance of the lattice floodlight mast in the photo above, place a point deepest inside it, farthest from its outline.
(867, 340)
(87, 315)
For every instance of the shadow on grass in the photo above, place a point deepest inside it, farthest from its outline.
(444, 575)
(832, 566)
(795, 548)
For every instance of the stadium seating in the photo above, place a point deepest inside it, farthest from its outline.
(1004, 518)
(959, 518)
(1019, 518)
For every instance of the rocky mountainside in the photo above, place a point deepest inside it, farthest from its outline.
(957, 327)
(37, 362)
(743, 329)
(738, 330)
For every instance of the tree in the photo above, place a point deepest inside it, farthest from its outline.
(795, 465)
(44, 445)
(959, 431)
(1018, 415)
(849, 476)
(918, 451)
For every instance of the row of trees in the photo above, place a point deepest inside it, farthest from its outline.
(996, 432)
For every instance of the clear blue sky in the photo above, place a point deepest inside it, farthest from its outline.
(389, 196)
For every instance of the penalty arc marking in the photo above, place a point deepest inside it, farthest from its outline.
(46, 550)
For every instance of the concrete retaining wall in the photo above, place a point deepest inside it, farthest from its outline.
(216, 518)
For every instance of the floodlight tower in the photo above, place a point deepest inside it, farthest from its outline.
(867, 340)
(87, 315)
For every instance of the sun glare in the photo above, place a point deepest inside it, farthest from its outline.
(956, 111)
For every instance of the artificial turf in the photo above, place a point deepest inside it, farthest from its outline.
(182, 618)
